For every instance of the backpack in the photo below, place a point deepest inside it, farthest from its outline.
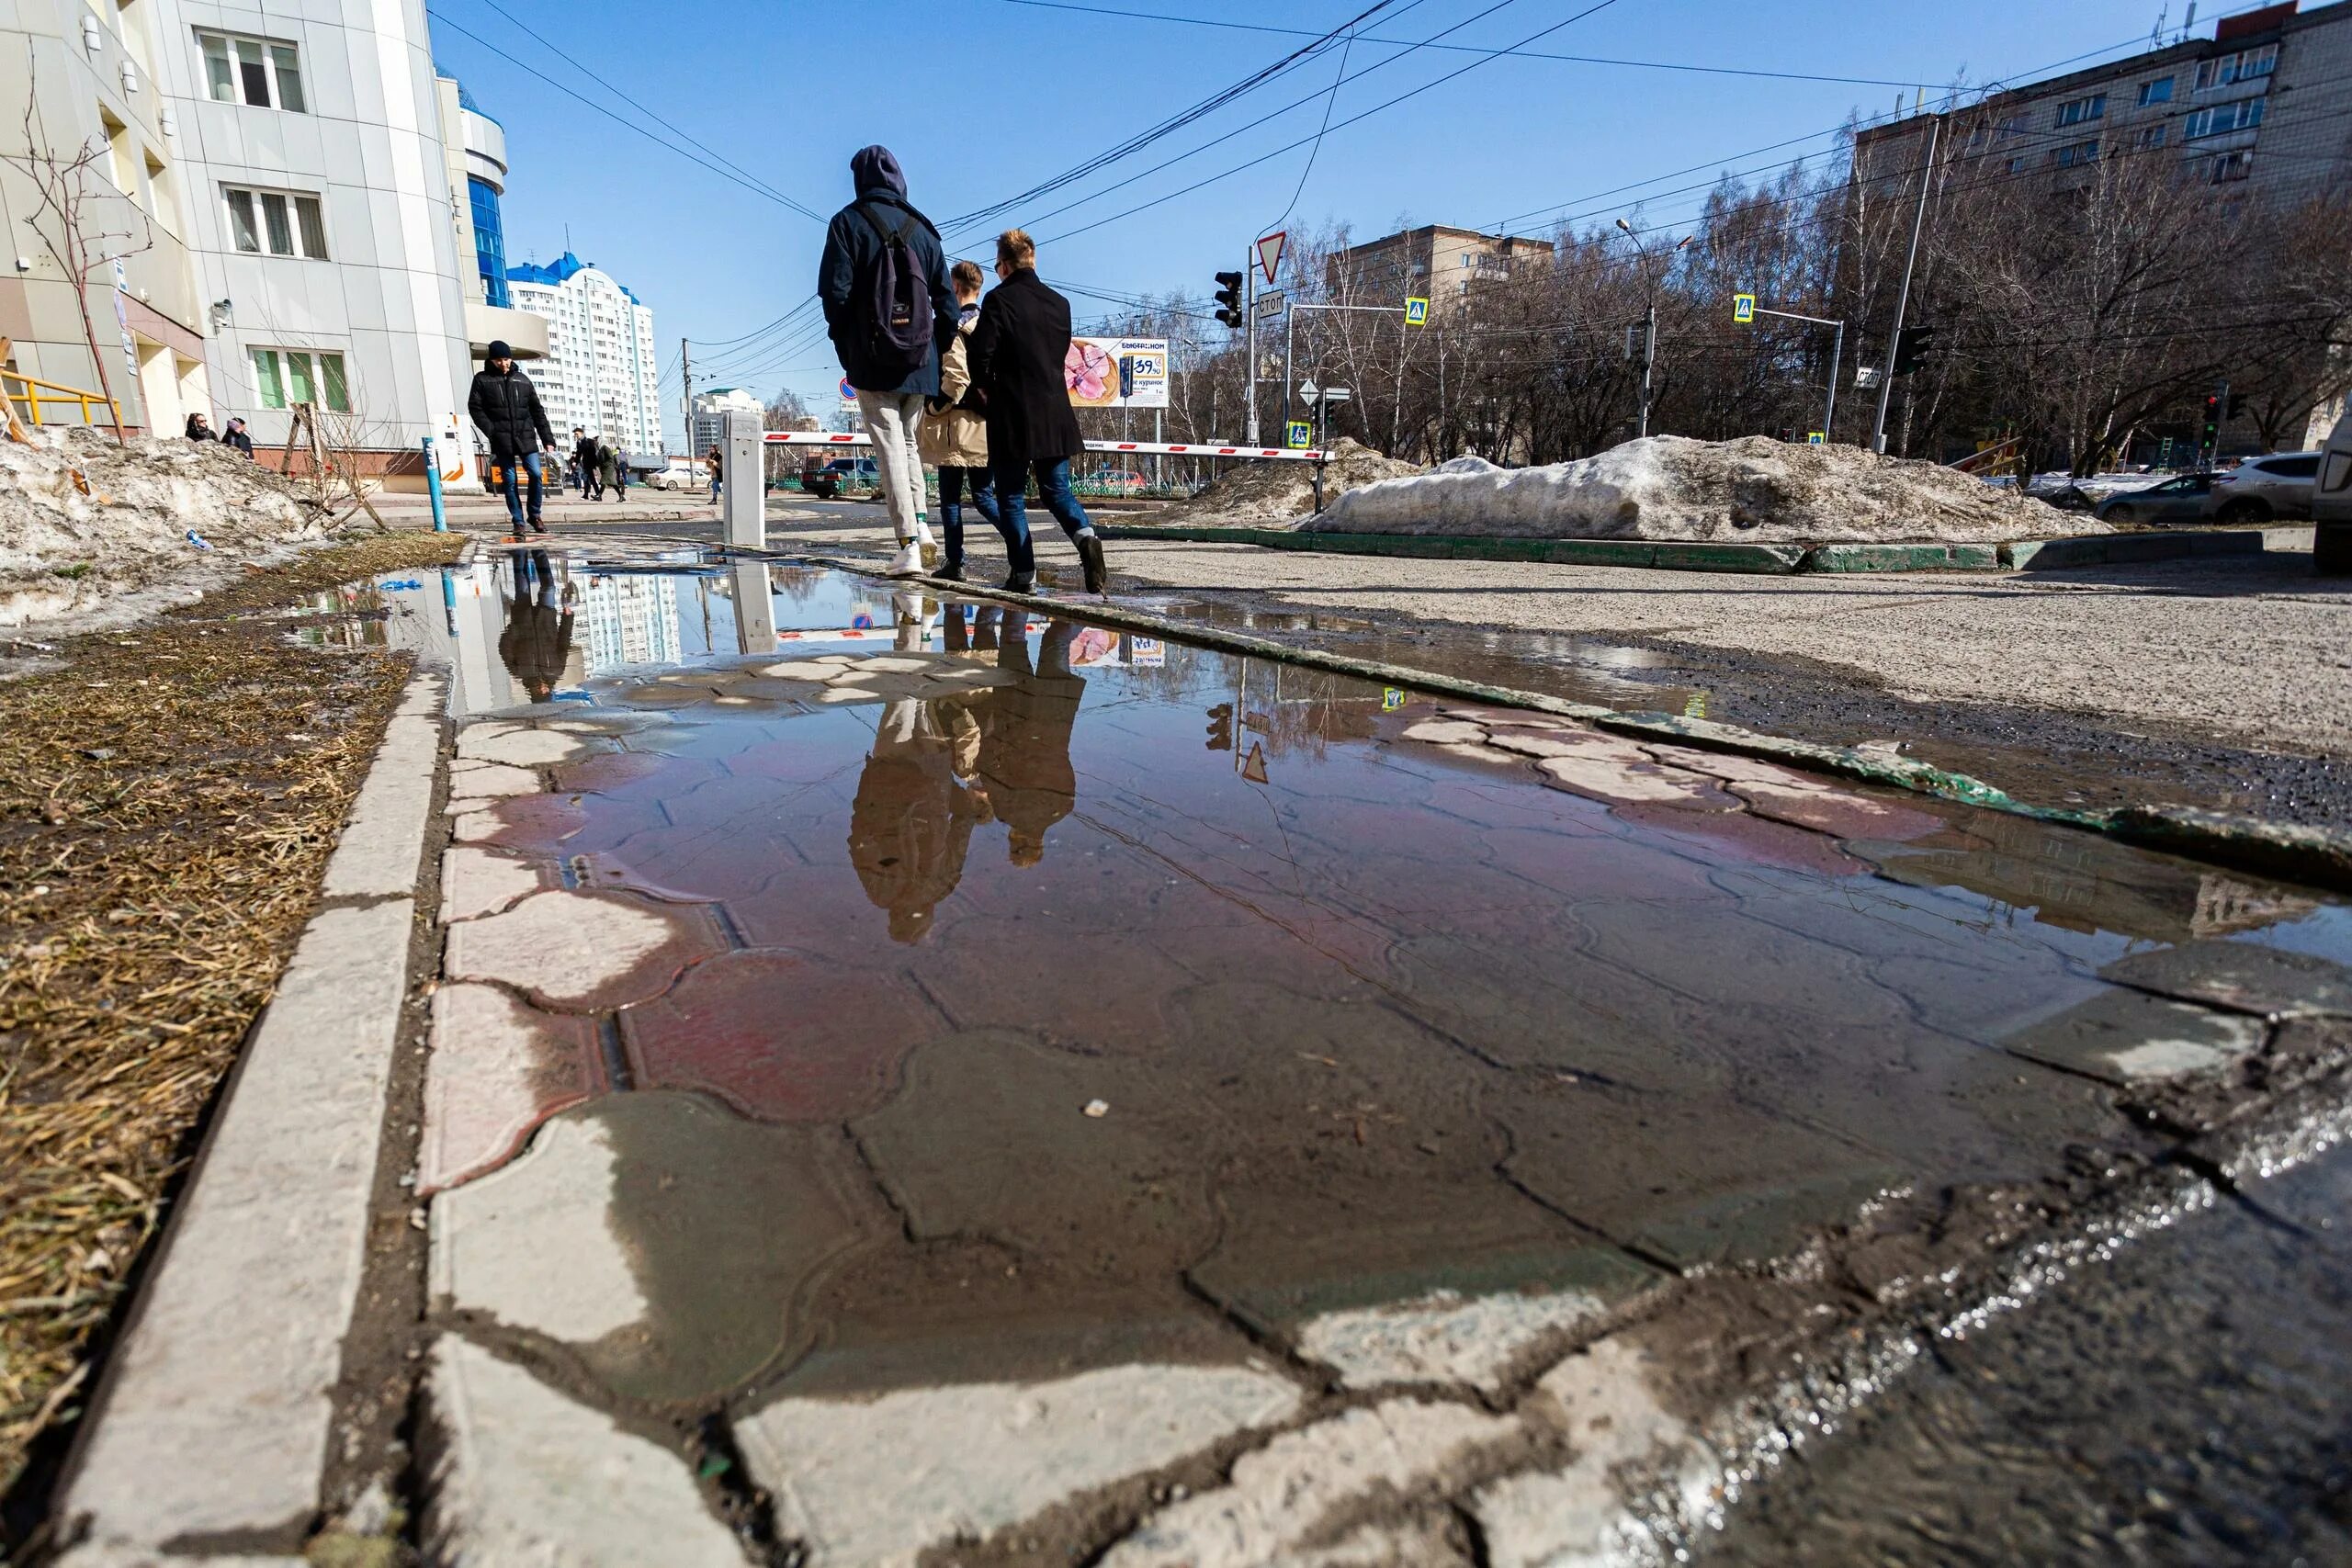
(892, 301)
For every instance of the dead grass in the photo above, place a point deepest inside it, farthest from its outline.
(167, 802)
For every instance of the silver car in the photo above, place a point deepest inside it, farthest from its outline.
(2183, 500)
(2260, 489)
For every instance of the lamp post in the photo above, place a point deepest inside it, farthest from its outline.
(1649, 336)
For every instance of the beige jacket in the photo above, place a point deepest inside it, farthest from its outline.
(959, 435)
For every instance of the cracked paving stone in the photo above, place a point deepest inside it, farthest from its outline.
(490, 781)
(2130, 1037)
(498, 1069)
(1601, 776)
(1280, 1496)
(534, 824)
(1445, 1337)
(475, 881)
(586, 950)
(874, 1481)
(1806, 800)
(667, 1242)
(518, 748)
(1446, 732)
(526, 1476)
(2239, 975)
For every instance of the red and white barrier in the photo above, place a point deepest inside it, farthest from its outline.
(1164, 448)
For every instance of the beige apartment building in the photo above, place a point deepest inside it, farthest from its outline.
(1436, 262)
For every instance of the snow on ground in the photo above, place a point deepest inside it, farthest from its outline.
(1281, 492)
(1670, 487)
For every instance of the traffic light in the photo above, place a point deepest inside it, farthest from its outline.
(2212, 427)
(1910, 343)
(2237, 404)
(1221, 727)
(1228, 298)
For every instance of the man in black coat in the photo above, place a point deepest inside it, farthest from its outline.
(1016, 357)
(505, 407)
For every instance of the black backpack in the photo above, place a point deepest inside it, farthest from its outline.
(892, 300)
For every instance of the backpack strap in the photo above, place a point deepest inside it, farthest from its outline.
(885, 232)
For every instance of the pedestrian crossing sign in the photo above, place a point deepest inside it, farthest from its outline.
(1417, 313)
(1743, 309)
(1816, 439)
(1298, 434)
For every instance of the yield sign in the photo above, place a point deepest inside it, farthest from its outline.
(1269, 255)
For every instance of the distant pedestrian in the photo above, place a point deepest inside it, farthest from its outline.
(890, 312)
(620, 473)
(199, 428)
(955, 433)
(584, 452)
(604, 465)
(506, 408)
(238, 437)
(1016, 354)
(716, 467)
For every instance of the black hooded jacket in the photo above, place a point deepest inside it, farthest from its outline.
(506, 410)
(851, 245)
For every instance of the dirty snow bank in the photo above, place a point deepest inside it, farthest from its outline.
(1670, 487)
(1279, 491)
(64, 553)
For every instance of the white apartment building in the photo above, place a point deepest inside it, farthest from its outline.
(600, 373)
(628, 620)
(710, 415)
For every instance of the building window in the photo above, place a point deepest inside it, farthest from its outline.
(2153, 135)
(2019, 165)
(2157, 91)
(2244, 66)
(490, 241)
(2222, 118)
(274, 220)
(2082, 109)
(2080, 152)
(253, 71)
(2237, 165)
(284, 376)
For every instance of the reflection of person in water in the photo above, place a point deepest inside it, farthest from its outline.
(538, 638)
(1024, 763)
(911, 822)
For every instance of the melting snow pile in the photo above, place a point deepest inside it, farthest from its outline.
(65, 552)
(1670, 487)
(1278, 491)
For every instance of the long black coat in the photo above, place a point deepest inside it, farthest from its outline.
(506, 410)
(1016, 357)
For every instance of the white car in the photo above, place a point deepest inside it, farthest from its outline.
(2277, 485)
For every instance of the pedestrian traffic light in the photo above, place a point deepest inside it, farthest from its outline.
(1221, 727)
(1228, 298)
(1910, 343)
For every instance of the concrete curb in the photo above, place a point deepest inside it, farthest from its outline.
(213, 1421)
(2315, 855)
(1771, 560)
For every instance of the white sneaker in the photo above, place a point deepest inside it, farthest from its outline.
(908, 562)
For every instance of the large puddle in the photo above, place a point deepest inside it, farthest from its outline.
(891, 990)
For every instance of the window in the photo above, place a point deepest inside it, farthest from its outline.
(2302, 467)
(2082, 109)
(275, 219)
(2019, 165)
(2080, 152)
(2157, 91)
(490, 242)
(253, 71)
(120, 161)
(159, 195)
(2222, 118)
(2244, 66)
(283, 376)
(2237, 165)
(2152, 135)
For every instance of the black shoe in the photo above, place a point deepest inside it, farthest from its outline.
(951, 572)
(1090, 555)
(1021, 582)
(537, 526)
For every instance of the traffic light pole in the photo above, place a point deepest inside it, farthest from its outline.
(1903, 297)
(1249, 338)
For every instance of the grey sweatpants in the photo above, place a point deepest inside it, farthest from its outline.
(892, 421)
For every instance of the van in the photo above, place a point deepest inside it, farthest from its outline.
(2332, 504)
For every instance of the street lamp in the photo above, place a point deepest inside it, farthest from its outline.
(1649, 339)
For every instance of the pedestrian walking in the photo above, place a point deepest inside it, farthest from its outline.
(237, 435)
(584, 452)
(890, 312)
(620, 473)
(1016, 359)
(955, 433)
(199, 429)
(537, 642)
(506, 408)
(716, 468)
(605, 465)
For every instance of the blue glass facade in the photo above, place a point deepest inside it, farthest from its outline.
(490, 241)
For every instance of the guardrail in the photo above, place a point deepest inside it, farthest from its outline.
(34, 388)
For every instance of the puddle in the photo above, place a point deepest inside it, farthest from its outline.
(890, 990)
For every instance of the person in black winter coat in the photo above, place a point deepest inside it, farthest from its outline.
(889, 396)
(1016, 357)
(506, 408)
(198, 429)
(238, 437)
(589, 454)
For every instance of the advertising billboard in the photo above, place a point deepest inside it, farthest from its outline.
(1117, 372)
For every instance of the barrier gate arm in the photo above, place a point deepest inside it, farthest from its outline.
(1165, 448)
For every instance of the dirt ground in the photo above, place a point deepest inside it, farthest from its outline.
(169, 794)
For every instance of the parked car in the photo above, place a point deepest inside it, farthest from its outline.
(675, 474)
(2184, 499)
(2260, 489)
(826, 478)
(1116, 481)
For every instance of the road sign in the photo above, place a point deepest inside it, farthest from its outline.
(1270, 304)
(1866, 375)
(1743, 309)
(1417, 313)
(1269, 255)
(1298, 433)
(849, 393)
(1816, 439)
(1307, 388)
(1336, 394)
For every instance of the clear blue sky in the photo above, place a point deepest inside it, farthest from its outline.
(981, 99)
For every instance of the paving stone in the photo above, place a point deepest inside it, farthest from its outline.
(490, 780)
(498, 1069)
(1566, 742)
(476, 881)
(586, 950)
(2239, 975)
(1280, 1496)
(668, 1243)
(528, 1475)
(1448, 1339)
(1745, 838)
(1600, 776)
(1444, 732)
(1806, 800)
(781, 1036)
(518, 747)
(1603, 1401)
(895, 664)
(840, 695)
(534, 824)
(874, 1481)
(2124, 1036)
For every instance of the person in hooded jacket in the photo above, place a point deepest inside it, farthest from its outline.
(506, 408)
(236, 435)
(955, 433)
(891, 393)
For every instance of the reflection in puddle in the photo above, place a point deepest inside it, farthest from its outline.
(838, 909)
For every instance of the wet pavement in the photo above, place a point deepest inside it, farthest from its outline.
(986, 1061)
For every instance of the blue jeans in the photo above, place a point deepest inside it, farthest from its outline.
(530, 463)
(951, 506)
(1012, 508)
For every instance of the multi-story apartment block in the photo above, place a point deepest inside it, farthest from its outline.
(600, 373)
(710, 423)
(1438, 263)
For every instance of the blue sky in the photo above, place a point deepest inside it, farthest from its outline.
(982, 99)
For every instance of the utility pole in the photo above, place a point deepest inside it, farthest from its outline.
(1649, 358)
(1249, 336)
(1903, 299)
(686, 398)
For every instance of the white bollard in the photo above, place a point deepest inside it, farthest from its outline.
(754, 607)
(742, 496)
